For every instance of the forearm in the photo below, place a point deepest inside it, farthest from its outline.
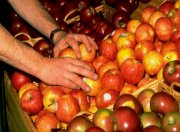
(18, 54)
(35, 14)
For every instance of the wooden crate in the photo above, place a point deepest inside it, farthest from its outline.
(18, 120)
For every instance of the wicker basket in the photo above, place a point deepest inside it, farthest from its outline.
(158, 86)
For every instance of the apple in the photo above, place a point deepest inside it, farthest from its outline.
(171, 72)
(108, 49)
(153, 62)
(175, 36)
(177, 4)
(163, 28)
(107, 66)
(134, 4)
(26, 87)
(145, 32)
(128, 100)
(85, 55)
(19, 78)
(98, 61)
(102, 26)
(152, 128)
(123, 6)
(32, 101)
(174, 16)
(142, 48)
(113, 79)
(127, 120)
(83, 3)
(163, 103)
(158, 44)
(168, 46)
(57, 15)
(103, 118)
(76, 26)
(128, 89)
(117, 32)
(126, 39)
(132, 25)
(94, 129)
(79, 124)
(67, 108)
(95, 86)
(49, 5)
(82, 98)
(132, 71)
(68, 52)
(171, 122)
(150, 118)
(50, 97)
(106, 98)
(146, 13)
(46, 121)
(123, 54)
(166, 6)
(145, 80)
(144, 98)
(155, 16)
(41, 45)
(171, 55)
(86, 14)
(178, 44)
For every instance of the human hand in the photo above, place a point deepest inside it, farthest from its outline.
(73, 40)
(67, 72)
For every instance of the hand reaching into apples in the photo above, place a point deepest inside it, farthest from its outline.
(66, 71)
(64, 40)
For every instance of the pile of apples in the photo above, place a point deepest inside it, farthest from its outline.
(131, 57)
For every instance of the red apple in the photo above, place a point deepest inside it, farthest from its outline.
(108, 49)
(82, 98)
(67, 108)
(127, 120)
(98, 61)
(95, 129)
(113, 79)
(166, 6)
(152, 128)
(170, 56)
(175, 36)
(163, 28)
(128, 89)
(158, 45)
(145, 32)
(142, 48)
(32, 101)
(46, 122)
(168, 46)
(129, 101)
(132, 25)
(146, 13)
(163, 103)
(132, 71)
(174, 15)
(123, 6)
(68, 52)
(117, 32)
(171, 72)
(106, 98)
(19, 78)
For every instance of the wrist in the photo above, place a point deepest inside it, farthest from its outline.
(56, 35)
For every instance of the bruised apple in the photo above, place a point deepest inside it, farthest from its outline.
(132, 71)
(113, 79)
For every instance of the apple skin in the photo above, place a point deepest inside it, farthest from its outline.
(152, 128)
(144, 98)
(174, 16)
(117, 32)
(50, 97)
(46, 121)
(170, 56)
(26, 87)
(171, 72)
(67, 108)
(94, 129)
(108, 49)
(128, 89)
(32, 101)
(106, 98)
(169, 126)
(145, 32)
(113, 79)
(127, 120)
(103, 118)
(150, 118)
(98, 61)
(146, 13)
(166, 6)
(175, 36)
(132, 71)
(132, 25)
(19, 78)
(163, 103)
(163, 28)
(168, 46)
(142, 48)
(128, 100)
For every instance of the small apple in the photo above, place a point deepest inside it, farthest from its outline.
(132, 25)
(32, 101)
